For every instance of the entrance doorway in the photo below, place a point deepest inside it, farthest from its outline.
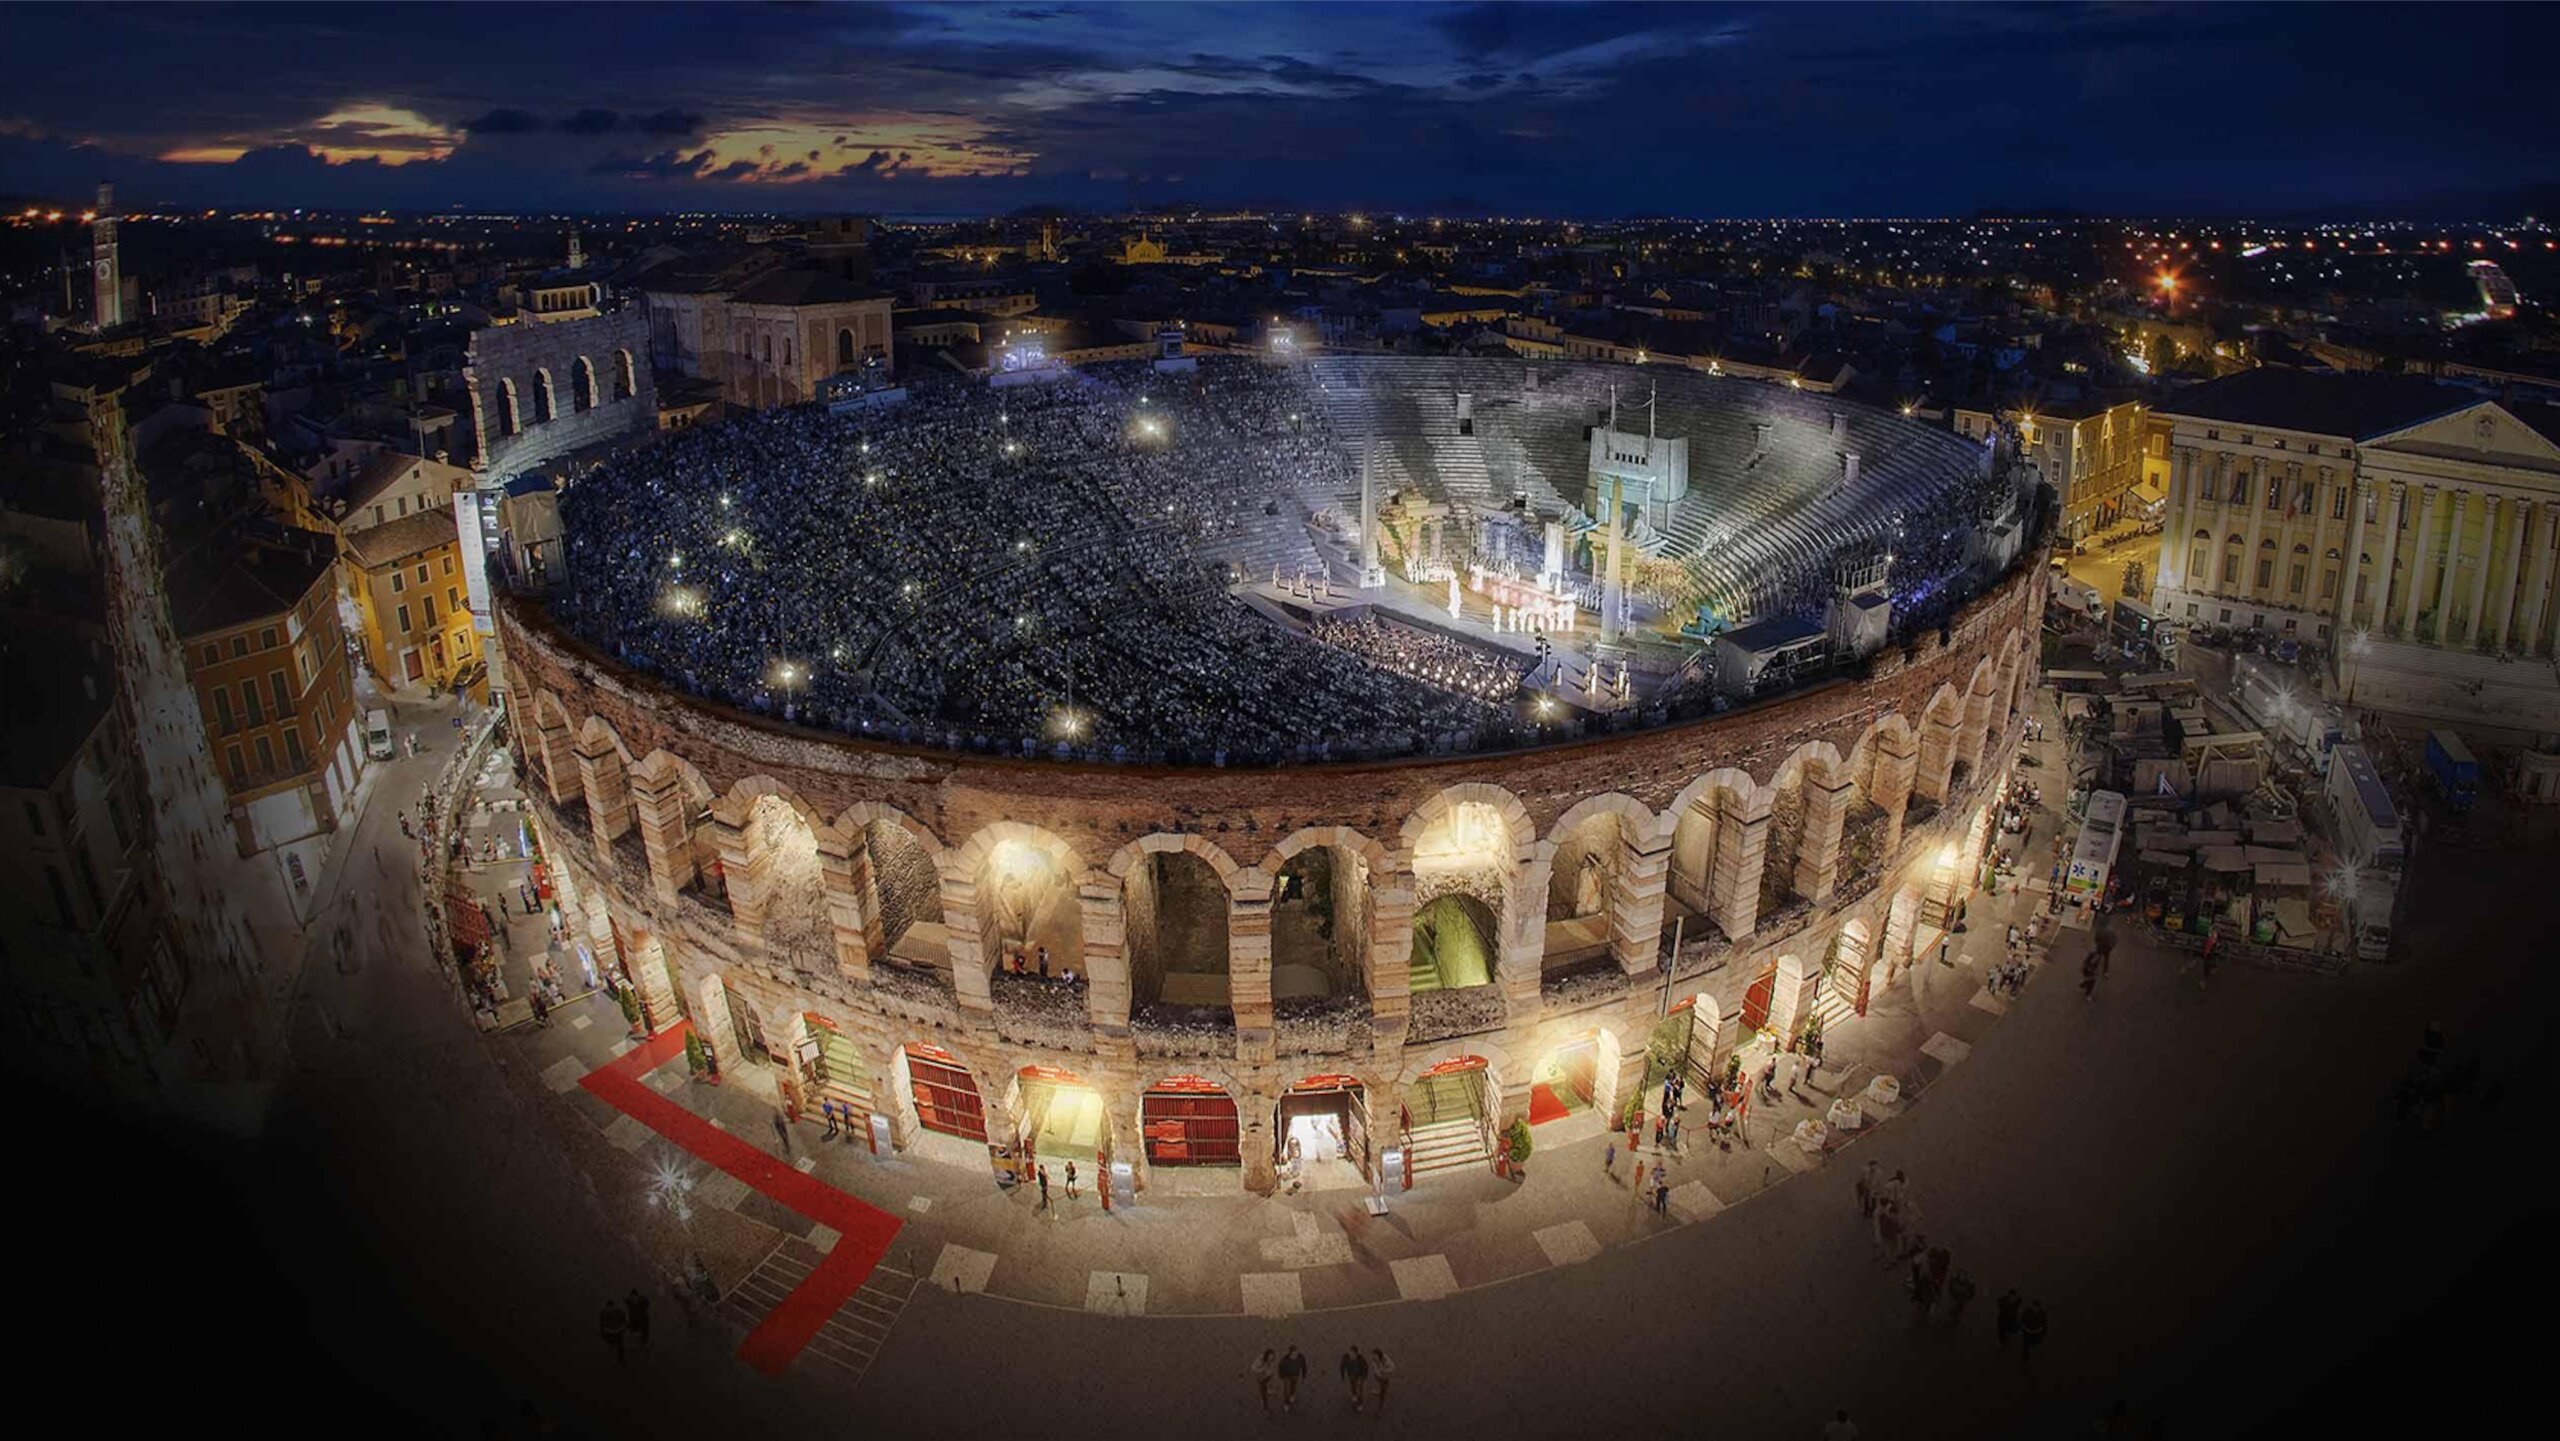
(1190, 1121)
(1449, 1116)
(833, 1068)
(1061, 1117)
(943, 1094)
(1322, 1140)
(1755, 1001)
(1565, 1081)
(743, 1027)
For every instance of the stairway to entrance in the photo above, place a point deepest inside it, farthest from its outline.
(1448, 1129)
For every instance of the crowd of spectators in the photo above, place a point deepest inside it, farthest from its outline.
(1440, 660)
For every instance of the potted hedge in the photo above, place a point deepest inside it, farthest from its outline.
(1515, 1150)
(697, 1059)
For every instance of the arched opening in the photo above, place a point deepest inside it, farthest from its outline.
(1320, 1141)
(1029, 918)
(1173, 915)
(940, 1098)
(1455, 943)
(1320, 913)
(832, 1069)
(1449, 1112)
(1785, 840)
(728, 1025)
(1693, 853)
(792, 884)
(847, 354)
(1190, 1121)
(1589, 866)
(582, 385)
(908, 892)
(546, 401)
(626, 380)
(1060, 1118)
(1578, 1076)
(510, 408)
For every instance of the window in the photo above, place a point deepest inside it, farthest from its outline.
(2275, 493)
(213, 655)
(2231, 568)
(403, 506)
(276, 689)
(2296, 579)
(448, 565)
(293, 748)
(453, 597)
(422, 572)
(2266, 573)
(2338, 503)
(222, 710)
(239, 646)
(377, 515)
(430, 603)
(35, 818)
(399, 582)
(2328, 584)
(250, 703)
(266, 756)
(2226, 615)
(267, 638)
(239, 767)
(404, 620)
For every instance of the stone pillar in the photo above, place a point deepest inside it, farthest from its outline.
(1128, 1143)
(1733, 889)
(2474, 625)
(1106, 955)
(1390, 965)
(1249, 961)
(1256, 1113)
(1510, 1087)
(1972, 733)
(1618, 1083)
(559, 760)
(1524, 941)
(664, 834)
(2537, 591)
(2424, 502)
(2389, 495)
(2253, 480)
(1791, 995)
(1711, 1041)
(1901, 931)
(1818, 844)
(2359, 495)
(602, 776)
(1896, 774)
(2501, 636)
(1937, 758)
(970, 984)
(742, 871)
(1635, 901)
(1852, 957)
(846, 864)
(653, 974)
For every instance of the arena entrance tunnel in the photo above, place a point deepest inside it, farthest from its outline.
(1191, 1123)
(1060, 1117)
(1173, 910)
(832, 1072)
(1449, 1114)
(1453, 944)
(1321, 1141)
(1579, 1077)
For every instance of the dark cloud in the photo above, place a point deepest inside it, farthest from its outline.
(591, 122)
(505, 122)
(1533, 32)
(668, 123)
(1481, 80)
(664, 165)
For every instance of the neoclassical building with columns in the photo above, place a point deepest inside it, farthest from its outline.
(2403, 527)
(1407, 953)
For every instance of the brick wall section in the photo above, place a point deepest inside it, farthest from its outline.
(1100, 809)
(519, 352)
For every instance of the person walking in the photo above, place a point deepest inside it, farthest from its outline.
(1293, 1369)
(541, 1007)
(1071, 1180)
(1959, 1296)
(1382, 1369)
(1867, 1191)
(610, 1325)
(1044, 1189)
(782, 1132)
(1888, 1227)
(2031, 1328)
(1609, 1158)
(827, 1112)
(1263, 1366)
(636, 1307)
(1924, 1293)
(1894, 1188)
(1355, 1376)
(1661, 1188)
(2005, 1318)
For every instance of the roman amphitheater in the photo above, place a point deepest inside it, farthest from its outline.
(1050, 769)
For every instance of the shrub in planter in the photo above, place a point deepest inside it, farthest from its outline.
(630, 1006)
(1519, 1143)
(697, 1056)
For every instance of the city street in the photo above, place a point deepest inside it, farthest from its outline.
(2205, 1189)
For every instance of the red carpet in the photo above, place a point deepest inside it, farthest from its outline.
(1544, 1105)
(866, 1229)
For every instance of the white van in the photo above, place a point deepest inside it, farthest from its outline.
(377, 734)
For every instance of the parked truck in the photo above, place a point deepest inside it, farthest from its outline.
(2369, 905)
(2456, 773)
(2368, 824)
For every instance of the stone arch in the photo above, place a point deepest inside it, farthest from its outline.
(582, 385)
(604, 774)
(1421, 1059)
(626, 377)
(1478, 839)
(546, 400)
(1013, 884)
(1177, 906)
(770, 844)
(550, 745)
(1606, 857)
(1975, 729)
(510, 407)
(1340, 917)
(1939, 723)
(1716, 826)
(848, 354)
(1808, 799)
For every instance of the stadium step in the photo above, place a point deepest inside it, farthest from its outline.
(1445, 1146)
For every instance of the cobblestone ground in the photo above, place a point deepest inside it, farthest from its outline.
(2207, 1191)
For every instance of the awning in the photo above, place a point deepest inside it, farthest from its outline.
(2283, 873)
(2149, 495)
(2275, 833)
(2293, 919)
(2174, 860)
(2226, 858)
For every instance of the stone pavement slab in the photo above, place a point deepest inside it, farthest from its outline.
(628, 1133)
(1946, 1048)
(1116, 1293)
(1692, 1201)
(1272, 1293)
(961, 1269)
(1423, 1278)
(1312, 1242)
(1983, 1000)
(722, 1190)
(1567, 1244)
(563, 1074)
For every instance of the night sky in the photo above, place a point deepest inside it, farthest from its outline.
(1593, 110)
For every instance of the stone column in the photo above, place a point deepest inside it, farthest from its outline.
(1937, 758)
(970, 984)
(1974, 731)
(2474, 624)
(1390, 949)
(1106, 956)
(2502, 635)
(1635, 902)
(1818, 844)
(1791, 995)
(1618, 1084)
(2537, 592)
(2420, 590)
(2359, 494)
(1128, 1143)
(2392, 494)
(1896, 775)
(602, 777)
(653, 974)
(2254, 469)
(1733, 890)
(664, 831)
(846, 864)
(1901, 931)
(559, 760)
(1249, 962)
(742, 872)
(1256, 1113)
(1850, 963)
(1524, 942)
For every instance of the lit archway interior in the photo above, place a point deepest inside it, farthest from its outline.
(1320, 924)
(1027, 905)
(1173, 912)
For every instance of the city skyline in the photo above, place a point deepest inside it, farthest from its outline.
(1569, 110)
